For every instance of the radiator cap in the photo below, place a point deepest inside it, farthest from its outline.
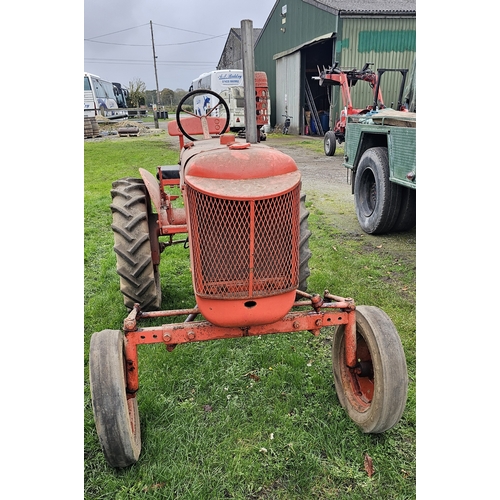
(240, 145)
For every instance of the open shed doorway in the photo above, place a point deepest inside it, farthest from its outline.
(316, 101)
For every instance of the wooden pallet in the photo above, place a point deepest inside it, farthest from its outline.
(90, 128)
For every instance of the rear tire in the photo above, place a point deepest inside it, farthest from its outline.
(330, 143)
(376, 399)
(116, 417)
(377, 199)
(139, 277)
(407, 218)
(304, 252)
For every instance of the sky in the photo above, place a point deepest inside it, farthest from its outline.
(189, 37)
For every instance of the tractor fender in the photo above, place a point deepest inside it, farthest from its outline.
(153, 188)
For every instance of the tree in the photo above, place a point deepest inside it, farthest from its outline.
(179, 94)
(137, 92)
(167, 97)
(151, 97)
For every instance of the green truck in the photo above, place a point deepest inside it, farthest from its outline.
(380, 152)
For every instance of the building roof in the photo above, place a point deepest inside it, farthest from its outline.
(366, 6)
(256, 32)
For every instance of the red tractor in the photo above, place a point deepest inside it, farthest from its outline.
(346, 80)
(246, 224)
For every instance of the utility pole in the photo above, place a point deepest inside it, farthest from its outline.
(249, 81)
(156, 76)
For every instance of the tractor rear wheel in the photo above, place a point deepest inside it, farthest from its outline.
(116, 417)
(377, 199)
(304, 252)
(374, 393)
(330, 143)
(139, 277)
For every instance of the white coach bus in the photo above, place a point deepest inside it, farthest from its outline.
(100, 98)
(228, 83)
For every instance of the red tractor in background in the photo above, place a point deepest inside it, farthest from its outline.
(347, 79)
(246, 224)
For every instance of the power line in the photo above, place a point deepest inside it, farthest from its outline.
(188, 31)
(139, 61)
(211, 37)
(114, 32)
(148, 45)
(162, 25)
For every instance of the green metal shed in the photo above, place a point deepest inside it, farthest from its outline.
(302, 36)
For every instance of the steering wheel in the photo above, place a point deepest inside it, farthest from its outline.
(209, 124)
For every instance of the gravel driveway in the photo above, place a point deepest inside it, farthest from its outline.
(324, 180)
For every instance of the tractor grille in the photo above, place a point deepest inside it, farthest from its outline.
(244, 248)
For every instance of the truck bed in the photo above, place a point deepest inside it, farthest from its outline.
(389, 117)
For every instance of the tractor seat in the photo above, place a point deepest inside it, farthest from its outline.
(169, 172)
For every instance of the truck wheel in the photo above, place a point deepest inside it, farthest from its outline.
(407, 218)
(377, 199)
(139, 278)
(330, 143)
(304, 252)
(116, 417)
(374, 395)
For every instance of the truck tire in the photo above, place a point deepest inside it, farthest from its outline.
(377, 199)
(407, 218)
(330, 143)
(139, 278)
(375, 393)
(304, 252)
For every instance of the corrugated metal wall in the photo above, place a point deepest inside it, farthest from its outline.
(232, 57)
(288, 90)
(388, 43)
(302, 22)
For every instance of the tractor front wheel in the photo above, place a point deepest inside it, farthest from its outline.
(139, 277)
(374, 392)
(116, 417)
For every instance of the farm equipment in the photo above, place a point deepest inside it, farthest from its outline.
(248, 238)
(381, 155)
(347, 79)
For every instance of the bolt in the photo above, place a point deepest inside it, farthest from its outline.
(167, 337)
(191, 335)
(296, 324)
(318, 322)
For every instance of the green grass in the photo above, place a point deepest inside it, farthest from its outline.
(249, 418)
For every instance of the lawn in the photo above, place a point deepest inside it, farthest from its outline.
(249, 418)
